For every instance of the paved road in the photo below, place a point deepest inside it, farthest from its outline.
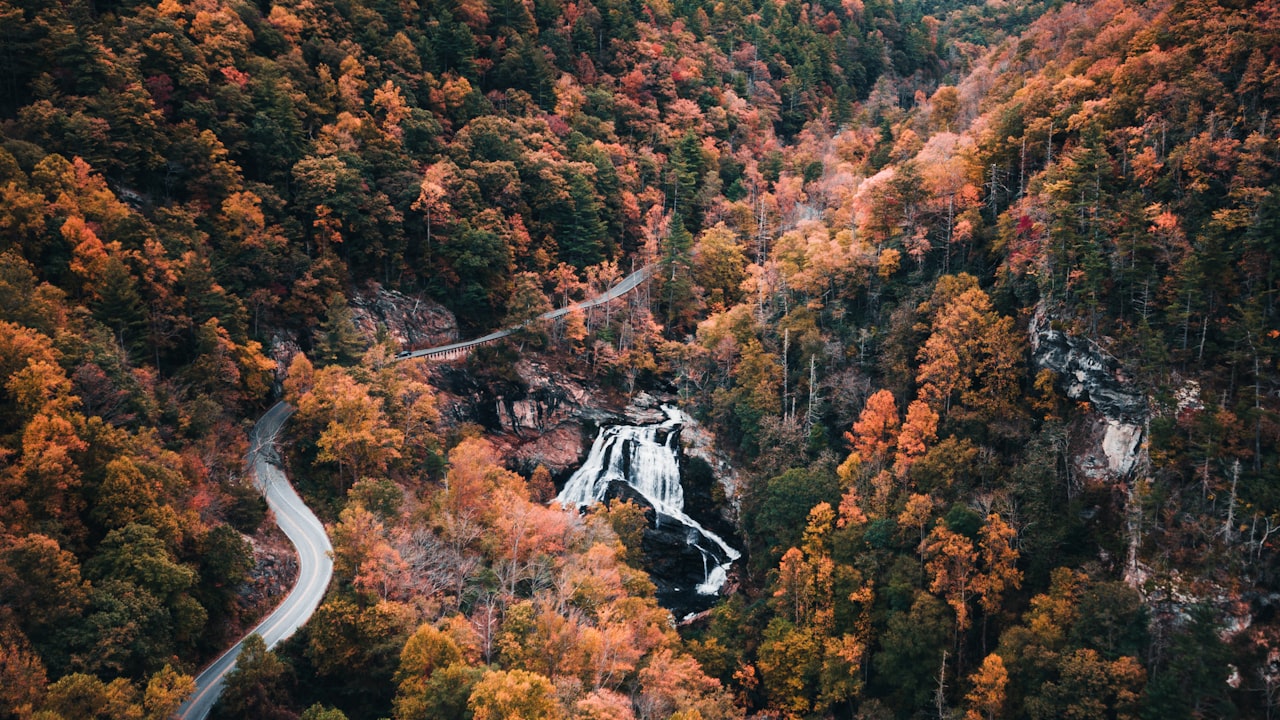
(315, 566)
(629, 283)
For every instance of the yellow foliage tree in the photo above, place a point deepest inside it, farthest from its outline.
(952, 563)
(918, 431)
(972, 354)
(875, 434)
(986, 699)
(514, 695)
(999, 563)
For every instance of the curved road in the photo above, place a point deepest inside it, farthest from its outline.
(304, 529)
(315, 566)
(626, 285)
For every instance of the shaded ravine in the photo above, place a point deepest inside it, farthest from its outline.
(304, 529)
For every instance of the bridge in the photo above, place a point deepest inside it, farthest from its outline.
(306, 532)
(460, 349)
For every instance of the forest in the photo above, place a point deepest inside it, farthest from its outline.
(978, 300)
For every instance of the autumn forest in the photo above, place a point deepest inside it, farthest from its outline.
(972, 307)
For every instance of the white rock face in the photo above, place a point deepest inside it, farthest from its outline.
(1188, 397)
(1121, 444)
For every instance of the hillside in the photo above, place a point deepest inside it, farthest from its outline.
(979, 301)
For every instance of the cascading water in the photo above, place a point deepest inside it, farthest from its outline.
(647, 459)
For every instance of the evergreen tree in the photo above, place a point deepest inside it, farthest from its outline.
(119, 306)
(1190, 680)
(257, 687)
(582, 238)
(337, 340)
(678, 300)
(688, 165)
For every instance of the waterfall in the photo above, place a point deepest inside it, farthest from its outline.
(647, 458)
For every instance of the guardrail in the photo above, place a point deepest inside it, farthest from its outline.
(457, 350)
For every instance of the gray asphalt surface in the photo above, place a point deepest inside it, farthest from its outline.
(315, 566)
(303, 528)
(627, 284)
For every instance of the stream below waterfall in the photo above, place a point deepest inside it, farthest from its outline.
(687, 562)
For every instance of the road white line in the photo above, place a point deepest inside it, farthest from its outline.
(315, 566)
(303, 528)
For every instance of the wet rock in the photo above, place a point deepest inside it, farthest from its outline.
(700, 443)
(623, 492)
(704, 494)
(645, 409)
(674, 565)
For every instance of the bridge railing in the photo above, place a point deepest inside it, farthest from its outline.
(460, 349)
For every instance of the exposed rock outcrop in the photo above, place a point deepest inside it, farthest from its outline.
(534, 414)
(1112, 439)
(281, 348)
(413, 322)
(674, 565)
(1107, 444)
(645, 409)
(275, 568)
(1104, 449)
(1087, 372)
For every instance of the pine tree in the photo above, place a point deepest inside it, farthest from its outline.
(678, 301)
(582, 238)
(688, 165)
(120, 306)
(337, 340)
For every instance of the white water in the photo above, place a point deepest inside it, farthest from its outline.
(633, 455)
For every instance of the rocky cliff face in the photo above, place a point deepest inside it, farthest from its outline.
(413, 322)
(1106, 444)
(1111, 441)
(1088, 373)
(536, 415)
